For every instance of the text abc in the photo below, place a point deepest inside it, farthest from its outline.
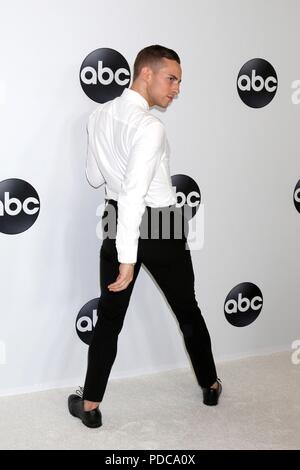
(98, 74)
(256, 82)
(233, 306)
(297, 195)
(90, 323)
(5, 208)
(182, 199)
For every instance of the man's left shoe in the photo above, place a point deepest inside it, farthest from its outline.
(211, 395)
(91, 419)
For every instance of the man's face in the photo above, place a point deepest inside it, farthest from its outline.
(163, 83)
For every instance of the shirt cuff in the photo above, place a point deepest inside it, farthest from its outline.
(128, 255)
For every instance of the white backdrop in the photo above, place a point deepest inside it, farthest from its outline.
(245, 161)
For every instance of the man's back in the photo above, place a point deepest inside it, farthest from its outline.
(114, 129)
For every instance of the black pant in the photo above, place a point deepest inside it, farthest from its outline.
(170, 263)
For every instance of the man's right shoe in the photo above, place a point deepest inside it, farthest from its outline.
(91, 419)
(211, 395)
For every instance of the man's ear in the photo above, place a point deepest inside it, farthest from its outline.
(146, 73)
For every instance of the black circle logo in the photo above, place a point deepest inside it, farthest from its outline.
(187, 193)
(297, 196)
(86, 320)
(243, 304)
(104, 74)
(188, 198)
(257, 83)
(19, 206)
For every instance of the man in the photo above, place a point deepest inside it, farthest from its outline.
(128, 150)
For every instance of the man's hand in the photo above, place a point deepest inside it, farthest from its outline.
(124, 278)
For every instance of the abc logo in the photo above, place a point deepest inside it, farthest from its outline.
(86, 320)
(297, 196)
(257, 83)
(243, 304)
(187, 194)
(104, 74)
(19, 206)
(188, 198)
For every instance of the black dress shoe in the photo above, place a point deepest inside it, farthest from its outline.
(211, 395)
(91, 419)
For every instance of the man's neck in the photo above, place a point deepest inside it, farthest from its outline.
(142, 92)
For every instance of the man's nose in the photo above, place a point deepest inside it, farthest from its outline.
(177, 88)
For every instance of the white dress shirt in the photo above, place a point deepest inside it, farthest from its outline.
(128, 150)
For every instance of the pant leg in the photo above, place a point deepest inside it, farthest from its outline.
(170, 264)
(112, 308)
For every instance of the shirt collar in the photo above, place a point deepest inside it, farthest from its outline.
(136, 98)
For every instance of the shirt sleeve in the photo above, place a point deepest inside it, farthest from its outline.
(92, 171)
(144, 159)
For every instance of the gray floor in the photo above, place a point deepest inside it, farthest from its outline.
(259, 409)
